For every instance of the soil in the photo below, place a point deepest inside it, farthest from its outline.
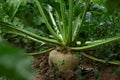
(88, 70)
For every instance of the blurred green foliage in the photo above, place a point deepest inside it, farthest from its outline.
(14, 64)
(112, 5)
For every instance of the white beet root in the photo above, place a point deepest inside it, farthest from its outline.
(63, 61)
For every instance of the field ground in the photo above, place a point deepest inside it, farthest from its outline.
(104, 71)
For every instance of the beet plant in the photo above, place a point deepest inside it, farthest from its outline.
(64, 26)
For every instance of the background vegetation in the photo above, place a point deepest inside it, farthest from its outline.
(98, 24)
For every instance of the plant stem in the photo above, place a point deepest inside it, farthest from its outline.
(104, 41)
(100, 60)
(41, 52)
(46, 21)
(77, 30)
(64, 28)
(70, 18)
(28, 37)
(27, 33)
(56, 28)
(59, 23)
(16, 9)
